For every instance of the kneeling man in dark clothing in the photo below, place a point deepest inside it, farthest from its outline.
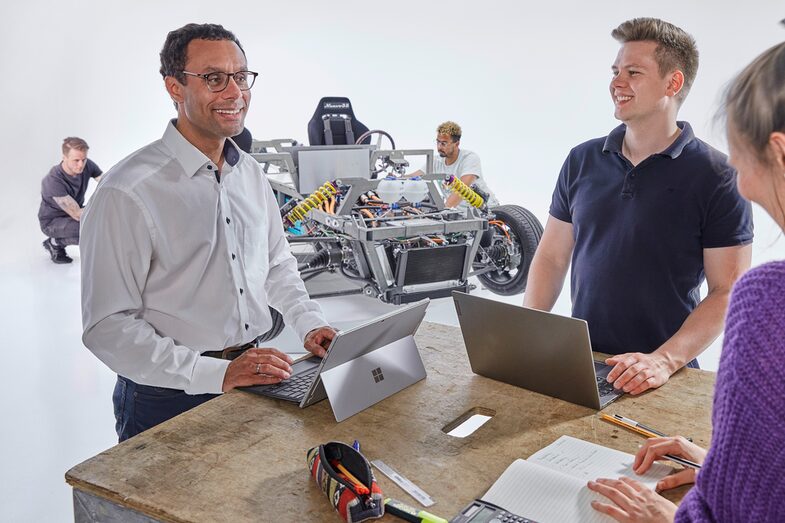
(62, 198)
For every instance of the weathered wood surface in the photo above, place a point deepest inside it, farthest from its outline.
(241, 457)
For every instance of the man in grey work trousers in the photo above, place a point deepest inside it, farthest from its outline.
(183, 250)
(62, 198)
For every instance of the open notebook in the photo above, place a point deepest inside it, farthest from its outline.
(551, 484)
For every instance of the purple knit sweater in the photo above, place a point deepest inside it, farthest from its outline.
(743, 478)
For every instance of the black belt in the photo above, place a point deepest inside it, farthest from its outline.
(231, 353)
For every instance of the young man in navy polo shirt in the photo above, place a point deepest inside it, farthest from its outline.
(644, 215)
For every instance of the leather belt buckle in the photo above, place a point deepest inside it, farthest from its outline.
(231, 353)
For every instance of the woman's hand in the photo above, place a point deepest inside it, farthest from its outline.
(632, 501)
(655, 449)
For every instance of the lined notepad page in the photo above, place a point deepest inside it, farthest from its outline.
(544, 495)
(588, 461)
(551, 485)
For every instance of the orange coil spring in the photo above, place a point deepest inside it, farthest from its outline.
(313, 201)
(464, 191)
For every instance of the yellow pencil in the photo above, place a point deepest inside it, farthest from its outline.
(633, 428)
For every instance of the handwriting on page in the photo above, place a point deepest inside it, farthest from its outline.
(587, 461)
(578, 464)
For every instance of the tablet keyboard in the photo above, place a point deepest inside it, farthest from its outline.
(294, 387)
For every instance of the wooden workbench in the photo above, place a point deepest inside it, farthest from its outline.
(241, 457)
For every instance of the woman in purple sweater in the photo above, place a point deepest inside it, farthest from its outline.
(743, 473)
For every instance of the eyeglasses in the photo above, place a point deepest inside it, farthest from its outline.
(217, 82)
(444, 143)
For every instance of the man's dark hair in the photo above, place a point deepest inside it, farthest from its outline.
(173, 53)
(676, 49)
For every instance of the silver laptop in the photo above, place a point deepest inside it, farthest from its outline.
(536, 350)
(363, 365)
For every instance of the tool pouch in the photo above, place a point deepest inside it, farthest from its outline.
(356, 498)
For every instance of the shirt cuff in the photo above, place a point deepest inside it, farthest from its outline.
(208, 376)
(307, 322)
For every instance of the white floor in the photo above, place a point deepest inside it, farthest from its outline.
(57, 408)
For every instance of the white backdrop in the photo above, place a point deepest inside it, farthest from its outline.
(527, 81)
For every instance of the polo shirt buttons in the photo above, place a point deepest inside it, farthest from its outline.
(632, 176)
(241, 290)
(209, 167)
(228, 221)
(233, 256)
(246, 326)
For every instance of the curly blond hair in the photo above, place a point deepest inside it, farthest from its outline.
(452, 129)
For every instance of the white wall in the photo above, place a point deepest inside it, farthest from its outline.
(526, 81)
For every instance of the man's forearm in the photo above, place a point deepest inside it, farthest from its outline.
(544, 283)
(69, 205)
(132, 348)
(699, 330)
(286, 291)
(452, 201)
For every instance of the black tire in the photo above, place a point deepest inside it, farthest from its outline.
(526, 230)
(276, 329)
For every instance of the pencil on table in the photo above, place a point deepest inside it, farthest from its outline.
(627, 426)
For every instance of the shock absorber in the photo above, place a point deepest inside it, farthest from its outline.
(313, 201)
(464, 191)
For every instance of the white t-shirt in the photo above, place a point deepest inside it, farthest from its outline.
(468, 162)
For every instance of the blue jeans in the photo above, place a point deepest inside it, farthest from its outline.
(693, 364)
(140, 407)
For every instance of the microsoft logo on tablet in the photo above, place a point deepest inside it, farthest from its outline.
(377, 374)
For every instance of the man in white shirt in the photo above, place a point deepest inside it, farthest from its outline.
(183, 250)
(461, 163)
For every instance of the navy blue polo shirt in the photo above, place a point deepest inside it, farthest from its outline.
(637, 266)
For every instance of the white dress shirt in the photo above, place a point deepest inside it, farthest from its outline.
(176, 263)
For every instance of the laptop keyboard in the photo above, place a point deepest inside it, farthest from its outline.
(296, 386)
(604, 387)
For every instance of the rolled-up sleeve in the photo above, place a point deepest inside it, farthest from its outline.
(117, 250)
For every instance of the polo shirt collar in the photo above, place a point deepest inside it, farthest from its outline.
(681, 141)
(615, 139)
(191, 159)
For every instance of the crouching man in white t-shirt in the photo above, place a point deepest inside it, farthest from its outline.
(459, 162)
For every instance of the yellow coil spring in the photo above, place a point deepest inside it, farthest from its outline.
(464, 191)
(312, 202)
